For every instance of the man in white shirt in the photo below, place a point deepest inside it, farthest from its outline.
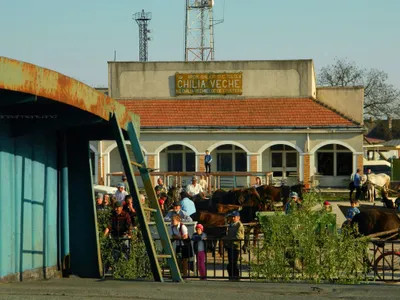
(194, 189)
(121, 193)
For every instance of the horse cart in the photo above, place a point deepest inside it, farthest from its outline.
(384, 253)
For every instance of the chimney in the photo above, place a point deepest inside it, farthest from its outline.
(390, 129)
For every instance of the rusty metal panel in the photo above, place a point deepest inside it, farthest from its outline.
(209, 84)
(31, 79)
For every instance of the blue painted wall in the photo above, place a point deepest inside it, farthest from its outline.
(28, 202)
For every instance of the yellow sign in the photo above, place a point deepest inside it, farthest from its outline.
(208, 84)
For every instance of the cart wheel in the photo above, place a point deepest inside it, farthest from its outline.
(387, 265)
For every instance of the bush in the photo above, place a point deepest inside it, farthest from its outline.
(303, 246)
(126, 262)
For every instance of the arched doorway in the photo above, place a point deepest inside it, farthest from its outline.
(230, 158)
(284, 161)
(333, 165)
(177, 158)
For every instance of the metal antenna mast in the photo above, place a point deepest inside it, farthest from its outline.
(143, 19)
(199, 30)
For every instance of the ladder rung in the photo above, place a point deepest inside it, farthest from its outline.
(136, 164)
(149, 209)
(164, 256)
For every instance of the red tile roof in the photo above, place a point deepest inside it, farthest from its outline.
(260, 112)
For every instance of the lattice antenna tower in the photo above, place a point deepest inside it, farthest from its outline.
(199, 30)
(143, 19)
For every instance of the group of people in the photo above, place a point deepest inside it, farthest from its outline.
(184, 211)
(232, 244)
(122, 214)
(122, 222)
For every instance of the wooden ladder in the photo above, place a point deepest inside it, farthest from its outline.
(168, 251)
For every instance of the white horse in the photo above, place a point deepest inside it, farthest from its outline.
(376, 180)
(379, 180)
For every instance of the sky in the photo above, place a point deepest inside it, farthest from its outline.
(78, 37)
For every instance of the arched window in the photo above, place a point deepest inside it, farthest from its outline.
(284, 160)
(177, 158)
(231, 158)
(334, 160)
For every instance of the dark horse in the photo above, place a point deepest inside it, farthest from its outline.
(375, 220)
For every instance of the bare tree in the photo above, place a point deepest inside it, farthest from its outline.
(381, 99)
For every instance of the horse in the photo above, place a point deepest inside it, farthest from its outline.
(381, 180)
(374, 221)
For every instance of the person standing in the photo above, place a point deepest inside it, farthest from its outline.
(233, 241)
(207, 161)
(120, 194)
(125, 182)
(180, 235)
(120, 228)
(200, 247)
(357, 184)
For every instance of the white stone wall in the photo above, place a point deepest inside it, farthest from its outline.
(257, 144)
(133, 80)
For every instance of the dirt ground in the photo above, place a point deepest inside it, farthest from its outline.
(75, 288)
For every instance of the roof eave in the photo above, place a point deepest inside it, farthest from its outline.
(342, 128)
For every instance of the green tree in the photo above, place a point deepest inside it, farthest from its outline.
(305, 246)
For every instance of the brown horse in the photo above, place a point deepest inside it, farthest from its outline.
(374, 221)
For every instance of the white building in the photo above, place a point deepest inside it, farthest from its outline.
(254, 116)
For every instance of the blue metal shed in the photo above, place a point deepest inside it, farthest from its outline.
(47, 209)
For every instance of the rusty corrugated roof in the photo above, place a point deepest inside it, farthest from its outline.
(31, 79)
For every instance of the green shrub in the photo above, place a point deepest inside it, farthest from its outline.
(135, 264)
(306, 246)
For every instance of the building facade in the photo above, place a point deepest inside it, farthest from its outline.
(255, 116)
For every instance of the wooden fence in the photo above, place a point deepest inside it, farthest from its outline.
(215, 180)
